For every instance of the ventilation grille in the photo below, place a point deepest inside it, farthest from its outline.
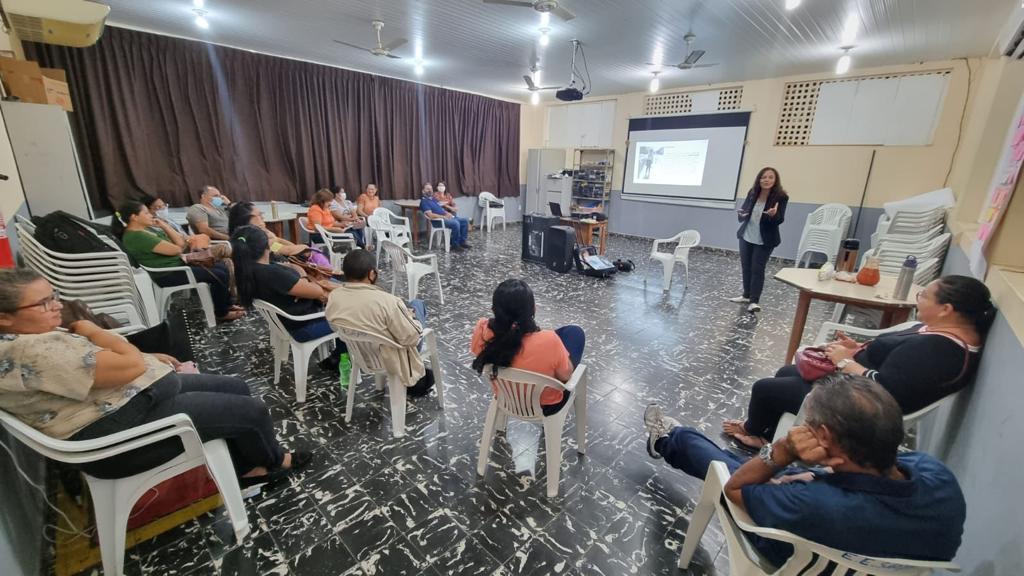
(800, 101)
(682, 102)
(29, 28)
(1015, 47)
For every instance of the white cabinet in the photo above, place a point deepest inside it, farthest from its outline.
(586, 125)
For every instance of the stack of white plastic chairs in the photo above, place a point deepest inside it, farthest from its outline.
(824, 231)
(105, 281)
(919, 234)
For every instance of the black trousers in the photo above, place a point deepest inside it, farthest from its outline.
(219, 406)
(770, 398)
(753, 260)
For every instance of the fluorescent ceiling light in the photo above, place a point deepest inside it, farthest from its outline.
(850, 28)
(544, 37)
(545, 19)
(843, 65)
(535, 98)
(418, 69)
(655, 84)
(792, 4)
(201, 20)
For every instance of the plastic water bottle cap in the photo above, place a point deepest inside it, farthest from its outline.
(910, 262)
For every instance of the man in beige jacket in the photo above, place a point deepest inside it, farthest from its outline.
(360, 305)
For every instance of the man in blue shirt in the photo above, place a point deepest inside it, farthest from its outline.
(874, 502)
(433, 210)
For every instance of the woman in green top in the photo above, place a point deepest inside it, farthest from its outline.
(166, 248)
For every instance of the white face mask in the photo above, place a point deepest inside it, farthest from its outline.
(440, 188)
(162, 213)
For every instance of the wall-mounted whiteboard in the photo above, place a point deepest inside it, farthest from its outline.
(902, 111)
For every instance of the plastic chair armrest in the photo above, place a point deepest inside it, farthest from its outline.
(577, 377)
(186, 269)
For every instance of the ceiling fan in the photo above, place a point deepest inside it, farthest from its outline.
(538, 5)
(692, 56)
(533, 87)
(381, 49)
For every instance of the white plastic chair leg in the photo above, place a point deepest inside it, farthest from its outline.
(580, 405)
(699, 520)
(666, 267)
(218, 461)
(435, 366)
(207, 301)
(161, 296)
(437, 278)
(490, 422)
(111, 522)
(553, 445)
(397, 396)
(378, 381)
(300, 362)
(353, 381)
(280, 350)
(413, 280)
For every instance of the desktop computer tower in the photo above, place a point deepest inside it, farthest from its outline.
(535, 227)
(559, 242)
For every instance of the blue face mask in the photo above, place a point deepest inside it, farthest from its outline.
(217, 201)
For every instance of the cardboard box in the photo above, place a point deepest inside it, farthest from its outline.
(30, 83)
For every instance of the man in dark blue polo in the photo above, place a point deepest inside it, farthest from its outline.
(874, 502)
(434, 211)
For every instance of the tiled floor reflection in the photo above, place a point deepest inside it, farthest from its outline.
(371, 504)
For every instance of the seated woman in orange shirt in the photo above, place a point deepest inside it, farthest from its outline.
(368, 201)
(320, 214)
(513, 339)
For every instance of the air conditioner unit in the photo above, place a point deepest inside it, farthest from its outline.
(1011, 40)
(76, 23)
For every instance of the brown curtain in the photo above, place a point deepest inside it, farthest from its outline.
(165, 116)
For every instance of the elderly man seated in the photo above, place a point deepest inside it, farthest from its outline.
(865, 497)
(209, 216)
(433, 210)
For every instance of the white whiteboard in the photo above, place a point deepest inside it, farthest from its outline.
(899, 111)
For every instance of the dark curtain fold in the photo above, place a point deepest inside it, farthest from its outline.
(165, 116)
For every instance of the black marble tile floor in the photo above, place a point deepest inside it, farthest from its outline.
(370, 504)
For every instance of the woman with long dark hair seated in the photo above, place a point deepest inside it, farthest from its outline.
(284, 286)
(247, 214)
(512, 339)
(918, 366)
(87, 382)
(165, 248)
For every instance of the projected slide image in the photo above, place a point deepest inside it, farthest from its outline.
(673, 163)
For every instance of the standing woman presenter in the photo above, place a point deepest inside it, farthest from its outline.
(763, 210)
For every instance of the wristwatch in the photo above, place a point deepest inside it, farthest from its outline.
(842, 363)
(765, 454)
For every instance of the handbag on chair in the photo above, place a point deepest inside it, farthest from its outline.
(812, 363)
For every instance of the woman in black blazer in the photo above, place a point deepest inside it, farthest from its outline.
(765, 205)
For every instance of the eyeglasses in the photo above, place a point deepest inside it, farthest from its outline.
(49, 304)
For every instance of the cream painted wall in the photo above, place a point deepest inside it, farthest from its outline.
(819, 174)
(531, 134)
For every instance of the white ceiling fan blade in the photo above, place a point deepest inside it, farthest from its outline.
(692, 57)
(704, 65)
(563, 13)
(529, 83)
(510, 3)
(397, 42)
(395, 56)
(354, 46)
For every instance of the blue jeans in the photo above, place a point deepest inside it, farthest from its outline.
(459, 227)
(574, 341)
(313, 329)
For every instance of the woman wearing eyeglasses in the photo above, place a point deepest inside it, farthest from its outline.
(87, 382)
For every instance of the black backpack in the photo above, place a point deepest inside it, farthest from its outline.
(63, 232)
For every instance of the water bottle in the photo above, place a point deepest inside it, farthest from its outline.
(905, 279)
(344, 369)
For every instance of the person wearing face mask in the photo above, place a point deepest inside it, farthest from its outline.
(209, 216)
(345, 212)
(161, 214)
(359, 304)
(434, 211)
(445, 199)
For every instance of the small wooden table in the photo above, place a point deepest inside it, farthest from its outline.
(806, 280)
(585, 232)
(410, 210)
(276, 225)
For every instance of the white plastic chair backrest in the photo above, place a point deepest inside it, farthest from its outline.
(519, 391)
(365, 348)
(828, 329)
(272, 314)
(485, 198)
(687, 239)
(831, 214)
(803, 561)
(384, 213)
(304, 224)
(27, 238)
(397, 255)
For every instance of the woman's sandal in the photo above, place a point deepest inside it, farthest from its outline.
(300, 459)
(232, 315)
(735, 430)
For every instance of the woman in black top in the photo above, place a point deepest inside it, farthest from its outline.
(763, 210)
(282, 285)
(918, 366)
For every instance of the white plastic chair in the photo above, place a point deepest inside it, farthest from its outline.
(824, 230)
(113, 500)
(809, 558)
(304, 224)
(163, 293)
(437, 227)
(400, 226)
(281, 342)
(414, 267)
(684, 241)
(364, 348)
(490, 212)
(518, 395)
(380, 225)
(331, 240)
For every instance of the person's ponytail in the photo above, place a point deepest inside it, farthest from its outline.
(513, 306)
(119, 220)
(248, 243)
(970, 298)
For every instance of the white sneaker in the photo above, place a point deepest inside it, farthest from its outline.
(740, 300)
(658, 426)
(754, 307)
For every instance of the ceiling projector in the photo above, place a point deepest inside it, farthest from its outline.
(569, 94)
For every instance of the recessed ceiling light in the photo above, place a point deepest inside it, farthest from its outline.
(843, 64)
(850, 29)
(792, 4)
(655, 83)
(536, 76)
(535, 98)
(418, 69)
(199, 3)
